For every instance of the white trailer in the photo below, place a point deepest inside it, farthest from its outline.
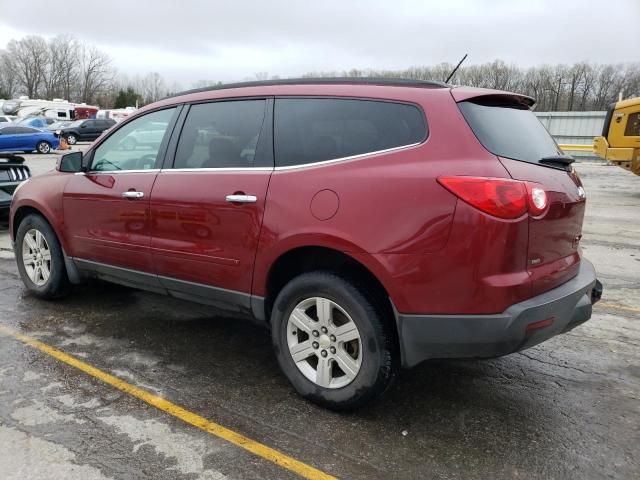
(24, 107)
(117, 114)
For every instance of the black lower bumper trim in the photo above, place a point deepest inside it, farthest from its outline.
(424, 337)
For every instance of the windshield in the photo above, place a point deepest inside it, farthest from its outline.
(509, 131)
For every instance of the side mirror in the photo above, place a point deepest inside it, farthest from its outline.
(71, 163)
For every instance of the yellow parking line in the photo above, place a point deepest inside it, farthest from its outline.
(618, 307)
(280, 459)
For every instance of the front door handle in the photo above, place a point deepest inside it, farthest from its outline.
(242, 198)
(132, 194)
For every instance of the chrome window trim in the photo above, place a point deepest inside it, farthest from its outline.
(117, 172)
(347, 159)
(223, 169)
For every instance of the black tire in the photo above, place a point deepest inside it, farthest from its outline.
(379, 361)
(57, 284)
(71, 138)
(43, 147)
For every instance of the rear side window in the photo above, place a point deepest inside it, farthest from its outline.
(18, 130)
(308, 130)
(510, 131)
(221, 135)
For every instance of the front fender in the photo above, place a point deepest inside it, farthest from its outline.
(44, 194)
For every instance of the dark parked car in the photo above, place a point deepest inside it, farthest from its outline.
(370, 224)
(12, 173)
(26, 139)
(85, 130)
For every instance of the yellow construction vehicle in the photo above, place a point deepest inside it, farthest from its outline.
(620, 140)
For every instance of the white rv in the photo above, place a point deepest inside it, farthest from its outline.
(117, 114)
(24, 106)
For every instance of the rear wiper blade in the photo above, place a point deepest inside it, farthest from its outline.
(564, 160)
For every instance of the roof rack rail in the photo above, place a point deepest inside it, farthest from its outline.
(400, 82)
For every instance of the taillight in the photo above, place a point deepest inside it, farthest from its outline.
(500, 197)
(538, 200)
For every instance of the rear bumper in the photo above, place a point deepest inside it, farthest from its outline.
(520, 326)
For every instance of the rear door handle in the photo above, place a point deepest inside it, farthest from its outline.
(132, 194)
(242, 198)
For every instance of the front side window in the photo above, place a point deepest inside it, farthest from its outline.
(308, 130)
(221, 135)
(135, 145)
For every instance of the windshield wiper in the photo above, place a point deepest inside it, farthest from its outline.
(562, 161)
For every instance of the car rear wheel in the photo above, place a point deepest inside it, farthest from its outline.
(40, 258)
(331, 341)
(43, 147)
(71, 139)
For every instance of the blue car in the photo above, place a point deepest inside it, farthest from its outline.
(35, 122)
(27, 139)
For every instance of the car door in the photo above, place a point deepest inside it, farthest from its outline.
(25, 138)
(5, 137)
(88, 130)
(207, 206)
(13, 139)
(102, 125)
(106, 209)
(5, 133)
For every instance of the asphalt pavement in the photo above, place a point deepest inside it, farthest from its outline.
(566, 409)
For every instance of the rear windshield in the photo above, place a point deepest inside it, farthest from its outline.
(511, 131)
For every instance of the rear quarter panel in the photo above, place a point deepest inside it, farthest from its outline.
(392, 212)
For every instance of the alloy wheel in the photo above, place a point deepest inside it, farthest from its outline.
(324, 342)
(36, 257)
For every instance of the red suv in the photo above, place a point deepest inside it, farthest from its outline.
(370, 224)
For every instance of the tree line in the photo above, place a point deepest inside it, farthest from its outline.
(64, 67)
(582, 86)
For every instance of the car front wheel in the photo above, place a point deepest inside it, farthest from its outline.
(40, 258)
(71, 139)
(332, 342)
(43, 147)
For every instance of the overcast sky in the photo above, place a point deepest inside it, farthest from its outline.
(190, 40)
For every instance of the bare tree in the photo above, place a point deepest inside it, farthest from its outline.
(8, 76)
(62, 69)
(30, 57)
(96, 73)
(156, 87)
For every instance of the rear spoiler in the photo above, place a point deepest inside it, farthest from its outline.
(487, 96)
(10, 158)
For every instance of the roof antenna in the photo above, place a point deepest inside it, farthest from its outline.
(456, 69)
